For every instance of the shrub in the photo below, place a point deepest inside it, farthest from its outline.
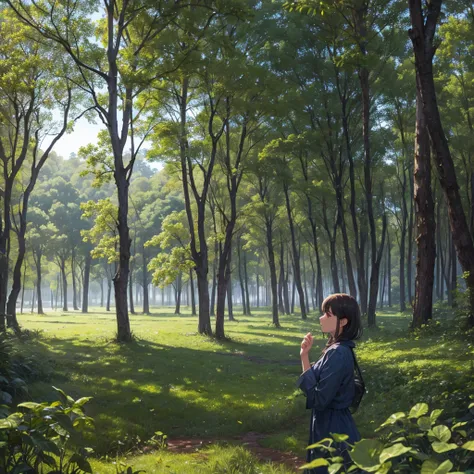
(43, 437)
(409, 442)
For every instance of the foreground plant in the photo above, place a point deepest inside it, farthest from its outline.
(42, 437)
(409, 442)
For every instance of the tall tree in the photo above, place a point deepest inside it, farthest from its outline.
(422, 35)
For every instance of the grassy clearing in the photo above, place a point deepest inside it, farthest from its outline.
(173, 380)
(216, 460)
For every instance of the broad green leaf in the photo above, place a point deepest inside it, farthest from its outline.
(12, 422)
(444, 467)
(339, 438)
(44, 444)
(442, 447)
(440, 433)
(418, 410)
(366, 454)
(82, 401)
(393, 451)
(458, 425)
(469, 446)
(30, 405)
(335, 468)
(431, 467)
(424, 423)
(65, 398)
(384, 468)
(435, 414)
(316, 463)
(393, 419)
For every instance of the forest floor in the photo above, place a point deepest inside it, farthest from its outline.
(193, 388)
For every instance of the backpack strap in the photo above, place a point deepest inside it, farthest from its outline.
(356, 365)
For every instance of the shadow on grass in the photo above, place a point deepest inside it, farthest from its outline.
(145, 386)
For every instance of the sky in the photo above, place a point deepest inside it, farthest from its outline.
(83, 134)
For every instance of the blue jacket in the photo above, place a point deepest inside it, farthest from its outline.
(329, 389)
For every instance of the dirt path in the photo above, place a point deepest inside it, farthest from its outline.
(249, 441)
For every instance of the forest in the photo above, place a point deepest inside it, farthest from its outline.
(251, 158)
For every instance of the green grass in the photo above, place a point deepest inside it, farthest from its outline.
(173, 380)
(217, 459)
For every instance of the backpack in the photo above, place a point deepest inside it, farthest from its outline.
(359, 385)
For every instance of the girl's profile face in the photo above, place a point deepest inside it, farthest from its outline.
(328, 322)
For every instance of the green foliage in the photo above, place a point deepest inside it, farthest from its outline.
(41, 434)
(168, 265)
(409, 442)
(104, 231)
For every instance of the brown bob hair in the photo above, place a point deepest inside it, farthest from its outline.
(343, 306)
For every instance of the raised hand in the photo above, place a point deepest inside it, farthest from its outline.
(306, 344)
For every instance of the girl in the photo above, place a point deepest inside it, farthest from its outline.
(329, 383)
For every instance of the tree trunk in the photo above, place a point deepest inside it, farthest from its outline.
(146, 294)
(177, 294)
(425, 223)
(58, 288)
(109, 291)
(23, 291)
(258, 290)
(297, 271)
(16, 283)
(101, 292)
(389, 271)
(281, 282)
(293, 293)
(246, 283)
(39, 255)
(230, 303)
(410, 242)
(193, 298)
(403, 232)
(85, 285)
(64, 282)
(273, 275)
(33, 300)
(241, 280)
(130, 292)
(422, 36)
(453, 285)
(286, 287)
(345, 241)
(123, 269)
(73, 275)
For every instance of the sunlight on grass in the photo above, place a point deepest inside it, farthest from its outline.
(174, 380)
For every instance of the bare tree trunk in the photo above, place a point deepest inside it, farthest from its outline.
(177, 293)
(422, 36)
(296, 257)
(38, 280)
(33, 299)
(246, 282)
(410, 242)
(214, 277)
(241, 280)
(109, 291)
(193, 299)
(425, 223)
(85, 286)
(258, 290)
(23, 291)
(281, 282)
(389, 271)
(64, 282)
(273, 275)
(130, 292)
(73, 275)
